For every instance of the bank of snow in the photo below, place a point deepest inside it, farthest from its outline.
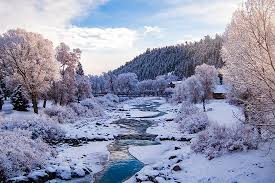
(176, 162)
(222, 113)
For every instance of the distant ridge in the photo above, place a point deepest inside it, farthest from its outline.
(179, 59)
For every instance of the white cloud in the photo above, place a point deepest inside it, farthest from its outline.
(107, 48)
(212, 12)
(53, 19)
(88, 38)
(151, 29)
(34, 13)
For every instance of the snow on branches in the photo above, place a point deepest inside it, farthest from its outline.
(217, 140)
(19, 153)
(29, 59)
(198, 87)
(248, 51)
(191, 119)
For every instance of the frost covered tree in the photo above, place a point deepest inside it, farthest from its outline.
(19, 99)
(126, 83)
(79, 69)
(147, 87)
(180, 59)
(29, 58)
(2, 97)
(188, 90)
(83, 87)
(179, 93)
(249, 54)
(4, 87)
(100, 84)
(109, 82)
(65, 89)
(162, 82)
(208, 77)
(194, 89)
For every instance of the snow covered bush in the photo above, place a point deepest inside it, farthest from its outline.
(19, 153)
(39, 127)
(83, 111)
(217, 140)
(69, 114)
(186, 109)
(194, 123)
(191, 119)
(108, 101)
(61, 113)
(112, 97)
(92, 105)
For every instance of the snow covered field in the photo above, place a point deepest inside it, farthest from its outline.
(175, 162)
(169, 161)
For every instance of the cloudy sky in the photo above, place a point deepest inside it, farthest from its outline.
(112, 32)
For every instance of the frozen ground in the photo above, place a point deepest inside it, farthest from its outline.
(253, 166)
(170, 161)
(223, 113)
(175, 162)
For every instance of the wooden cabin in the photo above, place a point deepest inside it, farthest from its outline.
(219, 92)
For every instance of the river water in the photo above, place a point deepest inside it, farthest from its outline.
(122, 165)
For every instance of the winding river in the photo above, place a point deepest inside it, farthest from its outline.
(122, 165)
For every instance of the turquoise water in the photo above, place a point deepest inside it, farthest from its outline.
(118, 171)
(122, 165)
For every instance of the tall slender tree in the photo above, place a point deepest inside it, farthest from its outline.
(66, 87)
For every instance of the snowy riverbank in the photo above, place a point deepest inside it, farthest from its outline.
(120, 146)
(175, 161)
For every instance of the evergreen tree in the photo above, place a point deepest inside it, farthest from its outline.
(1, 98)
(79, 69)
(19, 100)
(4, 88)
(181, 60)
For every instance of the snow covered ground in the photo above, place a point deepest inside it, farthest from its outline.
(253, 166)
(223, 113)
(170, 161)
(92, 155)
(175, 162)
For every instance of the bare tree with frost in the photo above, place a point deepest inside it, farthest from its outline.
(207, 76)
(249, 53)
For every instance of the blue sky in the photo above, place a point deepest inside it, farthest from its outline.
(111, 32)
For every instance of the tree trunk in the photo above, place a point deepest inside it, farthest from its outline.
(246, 115)
(259, 132)
(203, 104)
(61, 100)
(35, 103)
(44, 103)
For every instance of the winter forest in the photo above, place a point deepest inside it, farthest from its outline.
(202, 111)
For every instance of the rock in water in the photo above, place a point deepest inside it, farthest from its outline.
(177, 168)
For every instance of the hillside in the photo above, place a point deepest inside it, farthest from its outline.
(179, 59)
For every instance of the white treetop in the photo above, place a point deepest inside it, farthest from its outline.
(30, 59)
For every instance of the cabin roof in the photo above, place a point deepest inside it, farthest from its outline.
(220, 89)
